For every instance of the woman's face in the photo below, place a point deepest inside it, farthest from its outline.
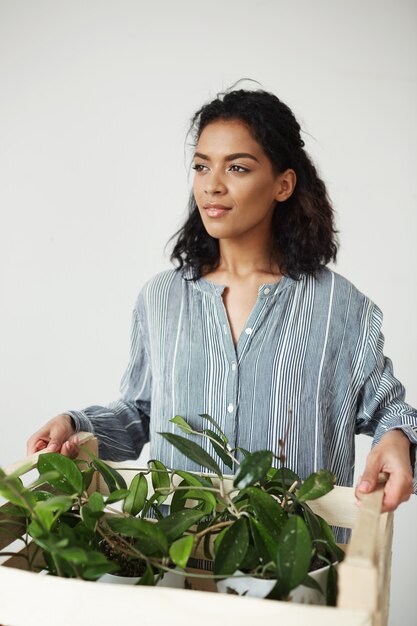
(235, 187)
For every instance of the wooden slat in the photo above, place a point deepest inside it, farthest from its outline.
(337, 507)
(49, 600)
(384, 565)
(33, 552)
(30, 462)
(364, 581)
(365, 572)
(11, 531)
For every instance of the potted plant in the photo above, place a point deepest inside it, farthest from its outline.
(255, 524)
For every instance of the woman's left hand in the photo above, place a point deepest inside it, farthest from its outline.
(391, 455)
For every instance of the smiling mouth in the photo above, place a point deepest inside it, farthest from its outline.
(216, 210)
(213, 212)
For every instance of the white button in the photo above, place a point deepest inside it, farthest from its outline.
(248, 331)
(233, 367)
(266, 291)
(217, 292)
(230, 408)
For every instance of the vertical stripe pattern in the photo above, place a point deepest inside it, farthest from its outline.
(308, 368)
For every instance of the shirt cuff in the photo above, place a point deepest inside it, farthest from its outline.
(81, 421)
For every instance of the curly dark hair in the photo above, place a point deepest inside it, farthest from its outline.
(304, 234)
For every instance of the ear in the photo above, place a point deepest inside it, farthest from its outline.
(286, 182)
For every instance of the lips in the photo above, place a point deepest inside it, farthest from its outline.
(215, 209)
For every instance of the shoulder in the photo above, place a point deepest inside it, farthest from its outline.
(340, 295)
(328, 280)
(158, 289)
(162, 282)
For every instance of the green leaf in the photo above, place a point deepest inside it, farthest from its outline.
(75, 555)
(182, 424)
(251, 560)
(336, 552)
(313, 524)
(90, 518)
(180, 496)
(216, 425)
(150, 504)
(57, 504)
(44, 478)
(47, 541)
(193, 479)
(232, 549)
(218, 540)
(175, 524)
(193, 451)
(70, 479)
(331, 587)
(96, 502)
(116, 496)
(98, 565)
(277, 593)
(151, 540)
(181, 549)
(203, 496)
(45, 510)
(88, 475)
(148, 578)
(316, 485)
(160, 480)
(13, 490)
(112, 477)
(253, 468)
(312, 583)
(243, 451)
(138, 490)
(10, 510)
(207, 547)
(267, 510)
(294, 553)
(266, 545)
(219, 447)
(282, 476)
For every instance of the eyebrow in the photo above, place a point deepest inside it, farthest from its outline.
(229, 157)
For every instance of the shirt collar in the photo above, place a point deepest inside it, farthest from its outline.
(215, 289)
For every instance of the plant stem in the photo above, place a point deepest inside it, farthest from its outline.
(210, 529)
(187, 488)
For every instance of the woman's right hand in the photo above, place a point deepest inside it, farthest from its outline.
(57, 435)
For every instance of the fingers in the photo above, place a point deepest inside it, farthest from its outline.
(391, 456)
(36, 443)
(398, 489)
(70, 448)
(369, 479)
(52, 435)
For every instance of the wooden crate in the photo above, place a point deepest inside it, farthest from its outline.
(27, 598)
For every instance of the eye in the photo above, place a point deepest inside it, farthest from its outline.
(240, 169)
(198, 167)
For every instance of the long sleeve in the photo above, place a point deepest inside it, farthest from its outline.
(122, 427)
(381, 399)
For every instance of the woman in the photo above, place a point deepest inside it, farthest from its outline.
(252, 328)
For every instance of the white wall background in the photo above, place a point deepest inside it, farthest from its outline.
(95, 98)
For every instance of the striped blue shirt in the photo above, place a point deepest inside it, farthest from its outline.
(308, 368)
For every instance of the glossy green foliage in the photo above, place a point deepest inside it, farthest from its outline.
(231, 548)
(193, 451)
(294, 553)
(253, 469)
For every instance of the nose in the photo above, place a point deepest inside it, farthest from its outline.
(213, 184)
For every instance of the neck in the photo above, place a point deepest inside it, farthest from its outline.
(249, 255)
